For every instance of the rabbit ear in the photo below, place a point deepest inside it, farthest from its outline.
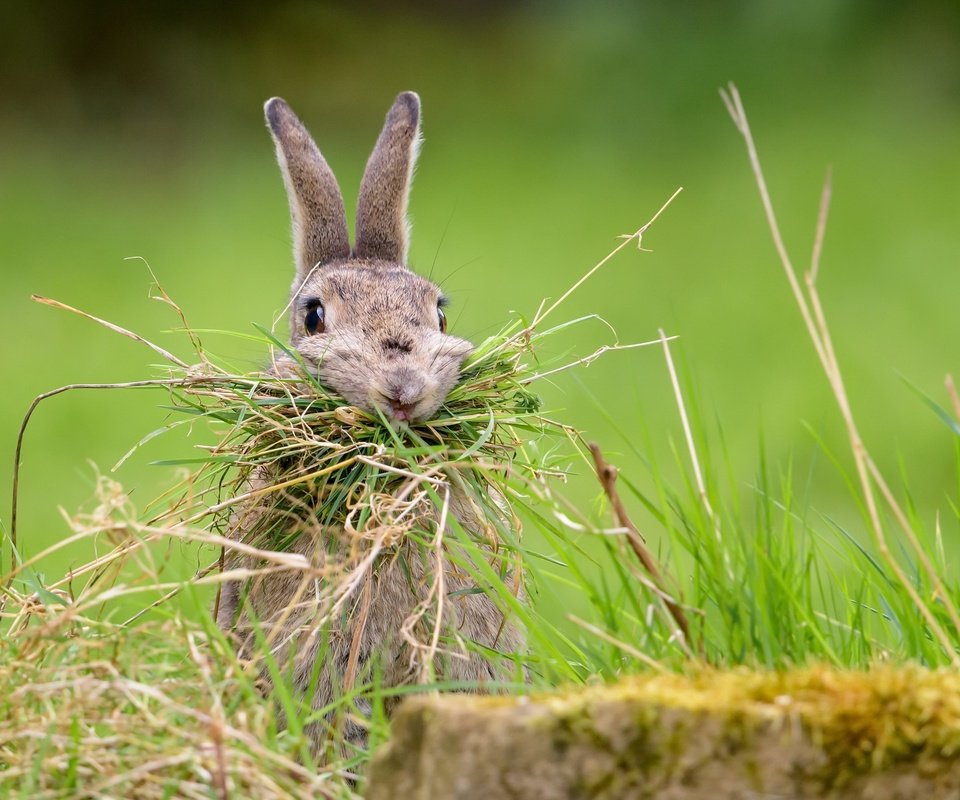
(316, 205)
(382, 230)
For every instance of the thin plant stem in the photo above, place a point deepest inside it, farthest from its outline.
(629, 649)
(15, 489)
(607, 475)
(694, 457)
(627, 238)
(953, 395)
(116, 328)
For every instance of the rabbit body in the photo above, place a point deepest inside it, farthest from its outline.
(375, 332)
(367, 627)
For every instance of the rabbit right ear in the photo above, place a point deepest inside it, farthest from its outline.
(382, 229)
(316, 205)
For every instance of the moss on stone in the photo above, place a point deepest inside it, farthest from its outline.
(814, 732)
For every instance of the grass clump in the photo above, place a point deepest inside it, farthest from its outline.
(349, 461)
(95, 702)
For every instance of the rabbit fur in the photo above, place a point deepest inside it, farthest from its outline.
(381, 343)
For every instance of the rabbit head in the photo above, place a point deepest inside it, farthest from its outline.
(373, 330)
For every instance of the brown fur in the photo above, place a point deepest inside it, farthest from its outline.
(381, 347)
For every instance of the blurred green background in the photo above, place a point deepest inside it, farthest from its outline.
(135, 130)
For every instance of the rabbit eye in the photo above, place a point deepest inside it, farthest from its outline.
(442, 319)
(314, 320)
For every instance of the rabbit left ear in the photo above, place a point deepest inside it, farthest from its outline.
(316, 205)
(382, 228)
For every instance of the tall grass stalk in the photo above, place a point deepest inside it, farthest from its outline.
(870, 477)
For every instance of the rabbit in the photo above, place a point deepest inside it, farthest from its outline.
(375, 332)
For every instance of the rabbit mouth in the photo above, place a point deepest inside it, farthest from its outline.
(397, 409)
(401, 412)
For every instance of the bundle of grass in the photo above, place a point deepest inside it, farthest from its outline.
(351, 465)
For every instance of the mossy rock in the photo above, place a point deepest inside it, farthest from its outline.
(815, 733)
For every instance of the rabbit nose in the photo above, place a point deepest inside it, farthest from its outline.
(404, 390)
(405, 386)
